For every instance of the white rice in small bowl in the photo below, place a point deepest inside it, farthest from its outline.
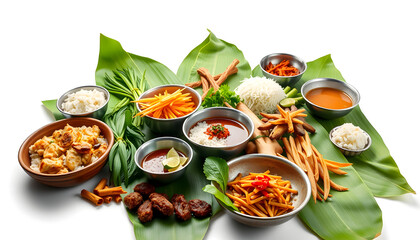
(84, 101)
(351, 140)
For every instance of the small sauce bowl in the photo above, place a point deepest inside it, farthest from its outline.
(327, 113)
(164, 143)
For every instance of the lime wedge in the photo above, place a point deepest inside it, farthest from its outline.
(182, 161)
(172, 153)
(170, 163)
(287, 102)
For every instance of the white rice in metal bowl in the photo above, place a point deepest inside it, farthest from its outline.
(84, 101)
(349, 137)
(197, 135)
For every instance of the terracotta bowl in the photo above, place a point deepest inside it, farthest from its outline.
(72, 178)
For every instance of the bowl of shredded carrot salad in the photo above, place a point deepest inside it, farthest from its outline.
(286, 69)
(267, 190)
(165, 107)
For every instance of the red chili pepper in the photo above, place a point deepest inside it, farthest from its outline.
(265, 193)
(261, 183)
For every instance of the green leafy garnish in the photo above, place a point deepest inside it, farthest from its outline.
(218, 98)
(216, 169)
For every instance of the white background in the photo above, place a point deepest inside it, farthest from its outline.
(47, 48)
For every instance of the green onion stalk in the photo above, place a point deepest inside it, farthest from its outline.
(127, 85)
(128, 138)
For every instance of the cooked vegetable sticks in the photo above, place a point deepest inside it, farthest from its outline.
(300, 151)
(167, 105)
(261, 194)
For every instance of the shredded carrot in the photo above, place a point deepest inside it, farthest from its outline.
(261, 194)
(166, 105)
(282, 69)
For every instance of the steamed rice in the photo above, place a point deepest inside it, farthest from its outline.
(260, 94)
(349, 137)
(197, 135)
(83, 101)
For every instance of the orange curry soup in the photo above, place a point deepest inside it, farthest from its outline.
(330, 98)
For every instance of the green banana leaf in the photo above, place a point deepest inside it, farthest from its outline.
(190, 184)
(215, 55)
(353, 214)
(111, 57)
(376, 166)
(51, 106)
(336, 219)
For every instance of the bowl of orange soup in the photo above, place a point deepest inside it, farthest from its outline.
(329, 98)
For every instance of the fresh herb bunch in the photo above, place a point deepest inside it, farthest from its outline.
(216, 169)
(218, 98)
(128, 138)
(128, 85)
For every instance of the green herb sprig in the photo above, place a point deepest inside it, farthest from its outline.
(218, 98)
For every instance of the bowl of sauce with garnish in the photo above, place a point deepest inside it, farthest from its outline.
(329, 98)
(164, 159)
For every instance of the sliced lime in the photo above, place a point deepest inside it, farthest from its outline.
(170, 163)
(172, 153)
(182, 161)
(287, 102)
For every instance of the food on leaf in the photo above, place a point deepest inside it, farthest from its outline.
(163, 160)
(284, 68)
(83, 101)
(260, 94)
(221, 98)
(167, 105)
(349, 137)
(67, 149)
(211, 83)
(330, 98)
(261, 194)
(218, 132)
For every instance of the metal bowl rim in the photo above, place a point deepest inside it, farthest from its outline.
(250, 132)
(161, 139)
(170, 85)
(279, 54)
(347, 85)
(296, 167)
(349, 150)
(107, 96)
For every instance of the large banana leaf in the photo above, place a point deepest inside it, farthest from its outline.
(111, 57)
(336, 219)
(215, 55)
(376, 166)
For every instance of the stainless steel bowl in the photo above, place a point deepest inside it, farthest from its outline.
(164, 143)
(330, 83)
(276, 58)
(98, 113)
(259, 163)
(348, 152)
(170, 127)
(215, 112)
